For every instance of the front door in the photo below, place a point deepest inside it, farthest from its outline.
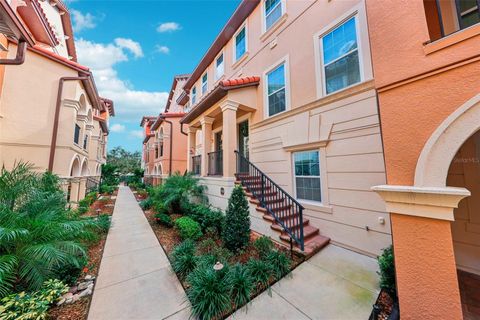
(243, 148)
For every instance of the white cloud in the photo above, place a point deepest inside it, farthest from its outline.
(162, 49)
(137, 133)
(168, 27)
(82, 21)
(129, 103)
(117, 127)
(133, 46)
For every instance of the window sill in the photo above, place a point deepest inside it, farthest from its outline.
(274, 27)
(240, 61)
(219, 79)
(451, 39)
(316, 206)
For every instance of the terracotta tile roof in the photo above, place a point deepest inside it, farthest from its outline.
(239, 82)
(59, 57)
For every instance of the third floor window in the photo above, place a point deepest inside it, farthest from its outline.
(240, 44)
(219, 67)
(76, 135)
(273, 12)
(194, 95)
(204, 83)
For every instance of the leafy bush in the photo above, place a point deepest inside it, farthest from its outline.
(109, 175)
(38, 235)
(208, 218)
(107, 189)
(241, 284)
(159, 207)
(69, 273)
(209, 293)
(91, 197)
(146, 204)
(386, 265)
(183, 258)
(188, 228)
(103, 223)
(279, 262)
(32, 306)
(236, 231)
(264, 246)
(164, 219)
(261, 271)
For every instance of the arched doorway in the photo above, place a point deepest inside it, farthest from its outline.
(75, 172)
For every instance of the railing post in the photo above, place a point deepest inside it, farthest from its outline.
(263, 187)
(302, 246)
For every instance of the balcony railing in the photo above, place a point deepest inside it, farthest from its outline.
(215, 163)
(92, 184)
(197, 164)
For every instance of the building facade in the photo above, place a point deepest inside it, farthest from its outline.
(428, 84)
(287, 88)
(51, 114)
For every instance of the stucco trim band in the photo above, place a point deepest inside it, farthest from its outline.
(427, 202)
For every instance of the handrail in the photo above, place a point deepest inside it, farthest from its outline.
(286, 211)
(215, 163)
(196, 164)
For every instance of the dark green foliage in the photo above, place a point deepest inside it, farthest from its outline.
(109, 174)
(159, 207)
(164, 219)
(103, 223)
(125, 162)
(207, 217)
(261, 271)
(209, 293)
(135, 180)
(70, 272)
(188, 228)
(236, 231)
(183, 258)
(38, 235)
(241, 284)
(108, 189)
(146, 204)
(83, 206)
(279, 262)
(207, 246)
(264, 246)
(386, 265)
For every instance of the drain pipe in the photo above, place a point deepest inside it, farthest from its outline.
(53, 144)
(181, 130)
(20, 57)
(171, 146)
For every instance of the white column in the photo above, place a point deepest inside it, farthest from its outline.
(229, 111)
(206, 123)
(191, 143)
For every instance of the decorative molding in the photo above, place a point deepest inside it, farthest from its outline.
(229, 105)
(72, 104)
(426, 202)
(313, 130)
(206, 120)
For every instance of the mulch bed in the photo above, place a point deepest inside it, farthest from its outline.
(169, 238)
(79, 309)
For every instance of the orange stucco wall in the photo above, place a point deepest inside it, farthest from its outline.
(419, 84)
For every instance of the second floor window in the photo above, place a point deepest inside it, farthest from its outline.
(276, 90)
(85, 142)
(161, 149)
(219, 67)
(240, 44)
(307, 175)
(273, 12)
(204, 83)
(156, 151)
(76, 135)
(341, 65)
(194, 95)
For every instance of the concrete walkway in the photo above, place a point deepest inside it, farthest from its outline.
(334, 284)
(135, 280)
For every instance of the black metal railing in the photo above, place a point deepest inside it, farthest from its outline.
(92, 184)
(286, 211)
(215, 163)
(197, 164)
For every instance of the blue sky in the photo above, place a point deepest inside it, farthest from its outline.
(136, 47)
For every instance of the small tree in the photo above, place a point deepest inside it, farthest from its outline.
(236, 232)
(386, 265)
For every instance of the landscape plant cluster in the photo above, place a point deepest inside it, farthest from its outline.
(216, 259)
(43, 242)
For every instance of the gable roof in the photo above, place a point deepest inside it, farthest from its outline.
(173, 88)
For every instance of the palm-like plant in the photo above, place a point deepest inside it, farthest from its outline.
(37, 234)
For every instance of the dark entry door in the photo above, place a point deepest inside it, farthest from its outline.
(243, 145)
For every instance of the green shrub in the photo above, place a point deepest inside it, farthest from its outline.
(39, 234)
(279, 262)
(107, 189)
(164, 219)
(209, 293)
(146, 204)
(70, 272)
(261, 272)
(236, 231)
(183, 258)
(103, 223)
(207, 246)
(241, 284)
(159, 207)
(188, 228)
(386, 264)
(32, 306)
(208, 218)
(264, 246)
(91, 197)
(82, 209)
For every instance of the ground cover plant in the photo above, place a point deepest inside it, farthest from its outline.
(218, 278)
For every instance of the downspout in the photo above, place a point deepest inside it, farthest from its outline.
(181, 130)
(53, 144)
(171, 146)
(20, 57)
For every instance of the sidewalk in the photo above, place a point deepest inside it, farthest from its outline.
(334, 284)
(135, 280)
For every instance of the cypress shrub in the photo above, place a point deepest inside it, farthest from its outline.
(236, 231)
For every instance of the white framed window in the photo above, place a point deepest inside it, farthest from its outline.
(273, 11)
(308, 184)
(276, 89)
(219, 66)
(194, 95)
(204, 83)
(339, 54)
(240, 45)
